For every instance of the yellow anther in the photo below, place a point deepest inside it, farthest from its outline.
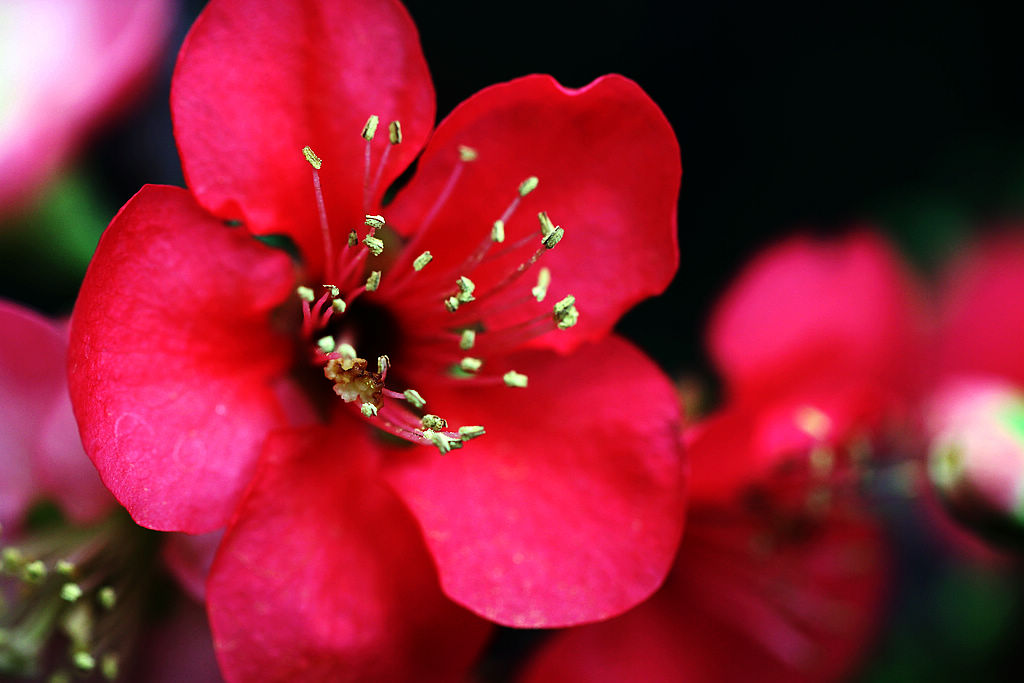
(515, 379)
(368, 409)
(370, 129)
(498, 231)
(470, 364)
(306, 294)
(326, 344)
(312, 158)
(339, 305)
(444, 443)
(565, 313)
(471, 432)
(466, 287)
(383, 364)
(395, 133)
(353, 238)
(375, 222)
(528, 185)
(346, 350)
(335, 292)
(422, 260)
(433, 422)
(467, 153)
(543, 282)
(373, 282)
(414, 398)
(467, 340)
(451, 304)
(554, 238)
(375, 245)
(546, 226)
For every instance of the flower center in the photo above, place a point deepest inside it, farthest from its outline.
(443, 322)
(81, 589)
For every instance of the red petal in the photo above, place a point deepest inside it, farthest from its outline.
(609, 171)
(570, 508)
(323, 575)
(258, 81)
(31, 380)
(981, 326)
(171, 359)
(818, 311)
(805, 612)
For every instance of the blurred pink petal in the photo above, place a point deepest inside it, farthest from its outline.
(64, 65)
(189, 557)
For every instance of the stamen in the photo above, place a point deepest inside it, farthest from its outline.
(528, 185)
(326, 344)
(413, 397)
(470, 364)
(353, 238)
(339, 305)
(471, 432)
(565, 313)
(325, 232)
(70, 592)
(546, 226)
(422, 260)
(515, 379)
(498, 231)
(451, 304)
(368, 409)
(554, 238)
(467, 340)
(395, 133)
(34, 572)
(466, 287)
(433, 422)
(370, 129)
(107, 598)
(346, 351)
(383, 363)
(543, 282)
(375, 222)
(306, 294)
(83, 661)
(373, 282)
(467, 154)
(375, 245)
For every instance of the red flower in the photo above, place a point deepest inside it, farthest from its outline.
(781, 574)
(190, 357)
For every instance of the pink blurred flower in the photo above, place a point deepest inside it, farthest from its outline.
(65, 65)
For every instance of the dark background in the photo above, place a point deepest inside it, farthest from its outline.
(810, 116)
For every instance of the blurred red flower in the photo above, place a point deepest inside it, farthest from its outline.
(201, 390)
(65, 65)
(782, 573)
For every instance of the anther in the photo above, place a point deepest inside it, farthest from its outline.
(383, 364)
(546, 226)
(543, 282)
(325, 344)
(83, 661)
(528, 185)
(34, 572)
(554, 238)
(335, 292)
(368, 409)
(565, 313)
(12, 559)
(466, 287)
(370, 129)
(471, 432)
(306, 294)
(433, 422)
(444, 443)
(470, 364)
(312, 158)
(353, 238)
(375, 222)
(467, 153)
(64, 568)
(451, 304)
(498, 231)
(395, 133)
(346, 350)
(339, 305)
(375, 245)
(107, 598)
(467, 340)
(414, 398)
(70, 592)
(373, 282)
(515, 379)
(422, 260)
(110, 666)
